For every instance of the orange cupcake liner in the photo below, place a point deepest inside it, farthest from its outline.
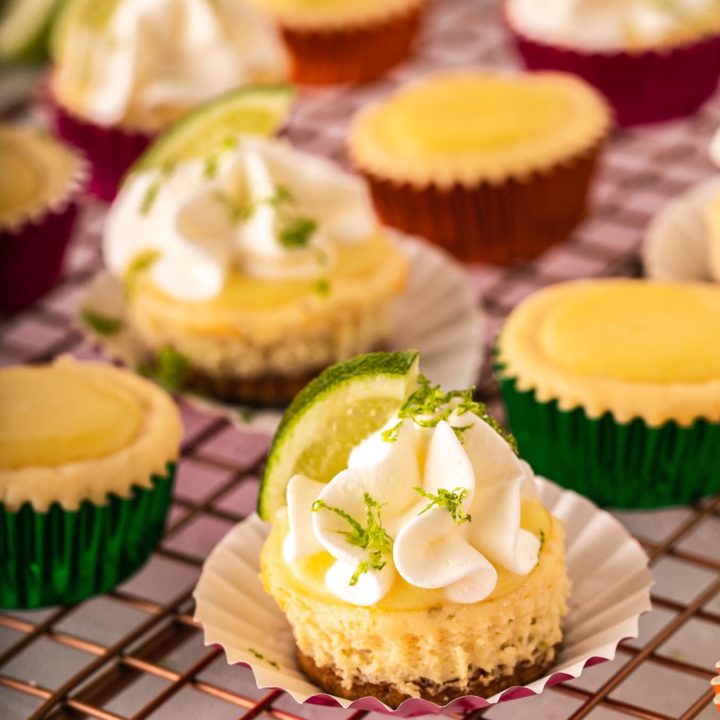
(351, 55)
(500, 223)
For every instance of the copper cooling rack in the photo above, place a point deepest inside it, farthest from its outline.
(136, 653)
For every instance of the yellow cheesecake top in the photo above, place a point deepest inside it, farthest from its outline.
(263, 309)
(321, 14)
(72, 431)
(37, 174)
(469, 126)
(57, 415)
(308, 574)
(634, 348)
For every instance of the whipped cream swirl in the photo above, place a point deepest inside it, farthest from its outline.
(441, 505)
(261, 208)
(167, 54)
(609, 25)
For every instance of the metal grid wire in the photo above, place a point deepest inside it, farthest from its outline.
(136, 652)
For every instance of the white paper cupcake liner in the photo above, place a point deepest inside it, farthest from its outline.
(610, 590)
(436, 314)
(676, 243)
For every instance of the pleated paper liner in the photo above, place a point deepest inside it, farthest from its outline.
(111, 150)
(501, 223)
(436, 314)
(32, 251)
(644, 87)
(64, 556)
(610, 590)
(354, 54)
(677, 244)
(622, 465)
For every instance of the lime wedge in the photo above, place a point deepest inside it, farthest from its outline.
(89, 15)
(331, 415)
(253, 110)
(24, 26)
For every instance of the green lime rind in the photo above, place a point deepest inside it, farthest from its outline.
(25, 27)
(204, 132)
(334, 412)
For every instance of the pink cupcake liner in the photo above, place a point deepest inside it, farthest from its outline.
(110, 150)
(32, 253)
(643, 87)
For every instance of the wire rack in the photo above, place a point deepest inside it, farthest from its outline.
(137, 653)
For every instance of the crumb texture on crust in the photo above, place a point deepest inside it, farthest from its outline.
(147, 453)
(466, 127)
(619, 346)
(442, 650)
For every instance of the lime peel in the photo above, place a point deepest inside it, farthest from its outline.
(333, 413)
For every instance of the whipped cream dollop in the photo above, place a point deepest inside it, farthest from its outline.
(262, 208)
(608, 25)
(715, 148)
(167, 54)
(436, 505)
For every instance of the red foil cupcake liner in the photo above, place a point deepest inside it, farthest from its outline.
(492, 223)
(32, 253)
(110, 150)
(643, 87)
(351, 55)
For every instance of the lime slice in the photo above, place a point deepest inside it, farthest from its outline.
(90, 15)
(253, 110)
(24, 26)
(331, 415)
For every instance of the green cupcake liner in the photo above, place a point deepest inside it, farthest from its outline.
(63, 557)
(621, 465)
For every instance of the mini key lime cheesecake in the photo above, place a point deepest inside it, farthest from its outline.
(495, 167)
(613, 388)
(257, 265)
(654, 60)
(87, 457)
(125, 70)
(334, 41)
(40, 181)
(408, 549)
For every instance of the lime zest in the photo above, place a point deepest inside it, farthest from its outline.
(260, 656)
(451, 500)
(140, 264)
(322, 287)
(101, 324)
(373, 538)
(430, 404)
(170, 369)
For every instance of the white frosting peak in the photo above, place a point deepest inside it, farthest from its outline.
(211, 216)
(610, 25)
(715, 148)
(168, 53)
(427, 547)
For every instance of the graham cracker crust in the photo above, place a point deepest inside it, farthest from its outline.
(482, 683)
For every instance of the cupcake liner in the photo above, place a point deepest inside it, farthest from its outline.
(437, 314)
(623, 465)
(111, 151)
(610, 590)
(643, 87)
(64, 556)
(32, 251)
(488, 222)
(677, 243)
(354, 54)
